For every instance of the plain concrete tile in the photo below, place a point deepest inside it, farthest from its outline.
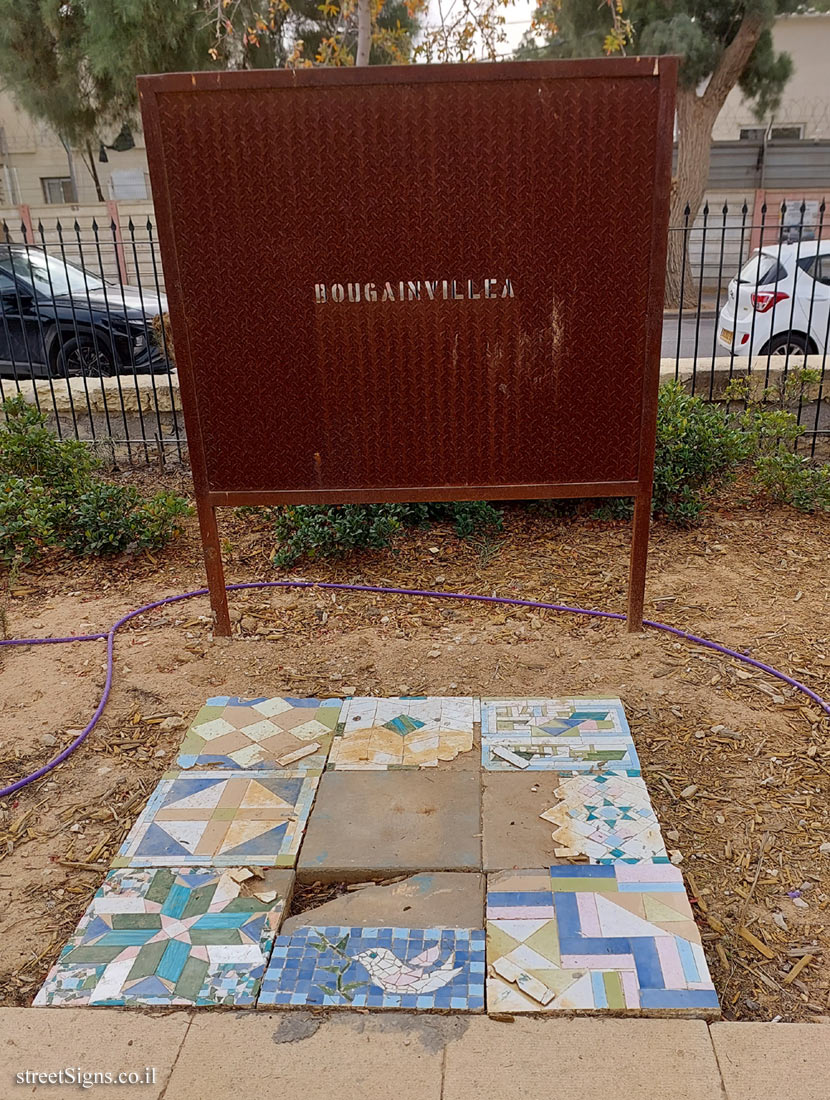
(513, 833)
(439, 899)
(97, 1040)
(574, 1059)
(773, 1061)
(396, 822)
(298, 1054)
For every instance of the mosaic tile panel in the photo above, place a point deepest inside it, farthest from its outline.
(168, 936)
(618, 938)
(409, 732)
(605, 818)
(410, 968)
(262, 733)
(221, 819)
(565, 735)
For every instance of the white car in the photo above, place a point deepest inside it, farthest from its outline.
(779, 303)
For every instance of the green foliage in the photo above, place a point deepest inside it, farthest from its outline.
(698, 446)
(29, 449)
(49, 497)
(107, 519)
(25, 519)
(792, 479)
(314, 531)
(771, 431)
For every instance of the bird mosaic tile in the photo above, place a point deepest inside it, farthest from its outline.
(565, 735)
(437, 969)
(263, 733)
(605, 818)
(618, 938)
(221, 818)
(409, 732)
(170, 936)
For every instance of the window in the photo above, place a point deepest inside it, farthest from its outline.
(57, 189)
(128, 185)
(762, 269)
(8, 286)
(821, 270)
(49, 275)
(776, 133)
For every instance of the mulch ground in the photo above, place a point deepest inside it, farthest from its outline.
(737, 763)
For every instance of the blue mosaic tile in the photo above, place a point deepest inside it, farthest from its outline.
(170, 936)
(416, 968)
(221, 818)
(568, 735)
(615, 938)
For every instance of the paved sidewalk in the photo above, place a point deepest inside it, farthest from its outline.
(396, 1056)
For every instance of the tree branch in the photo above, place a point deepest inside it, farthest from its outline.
(733, 61)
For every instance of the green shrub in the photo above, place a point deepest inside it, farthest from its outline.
(49, 497)
(791, 479)
(29, 449)
(26, 521)
(699, 445)
(108, 519)
(771, 432)
(314, 531)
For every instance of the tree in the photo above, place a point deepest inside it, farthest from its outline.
(73, 64)
(43, 63)
(258, 34)
(722, 44)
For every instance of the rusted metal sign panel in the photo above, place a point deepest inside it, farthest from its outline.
(415, 283)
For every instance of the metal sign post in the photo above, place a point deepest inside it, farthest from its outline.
(427, 282)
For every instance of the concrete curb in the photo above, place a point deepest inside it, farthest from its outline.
(149, 407)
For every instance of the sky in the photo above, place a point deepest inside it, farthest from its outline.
(517, 19)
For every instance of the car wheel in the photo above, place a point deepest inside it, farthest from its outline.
(787, 343)
(85, 357)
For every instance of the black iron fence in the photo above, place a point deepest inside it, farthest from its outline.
(82, 313)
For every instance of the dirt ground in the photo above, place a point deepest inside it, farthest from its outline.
(737, 764)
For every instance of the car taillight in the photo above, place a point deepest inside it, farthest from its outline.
(763, 300)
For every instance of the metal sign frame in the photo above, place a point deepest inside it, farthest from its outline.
(206, 144)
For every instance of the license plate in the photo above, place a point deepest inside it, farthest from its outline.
(726, 335)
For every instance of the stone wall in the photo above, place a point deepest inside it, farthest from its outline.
(148, 408)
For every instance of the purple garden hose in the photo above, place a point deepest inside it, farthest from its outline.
(110, 637)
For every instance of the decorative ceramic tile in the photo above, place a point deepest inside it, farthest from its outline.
(413, 732)
(261, 733)
(565, 735)
(409, 968)
(606, 818)
(603, 938)
(221, 819)
(170, 936)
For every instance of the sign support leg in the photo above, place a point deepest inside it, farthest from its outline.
(637, 566)
(214, 569)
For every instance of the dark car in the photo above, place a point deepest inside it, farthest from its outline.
(59, 319)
